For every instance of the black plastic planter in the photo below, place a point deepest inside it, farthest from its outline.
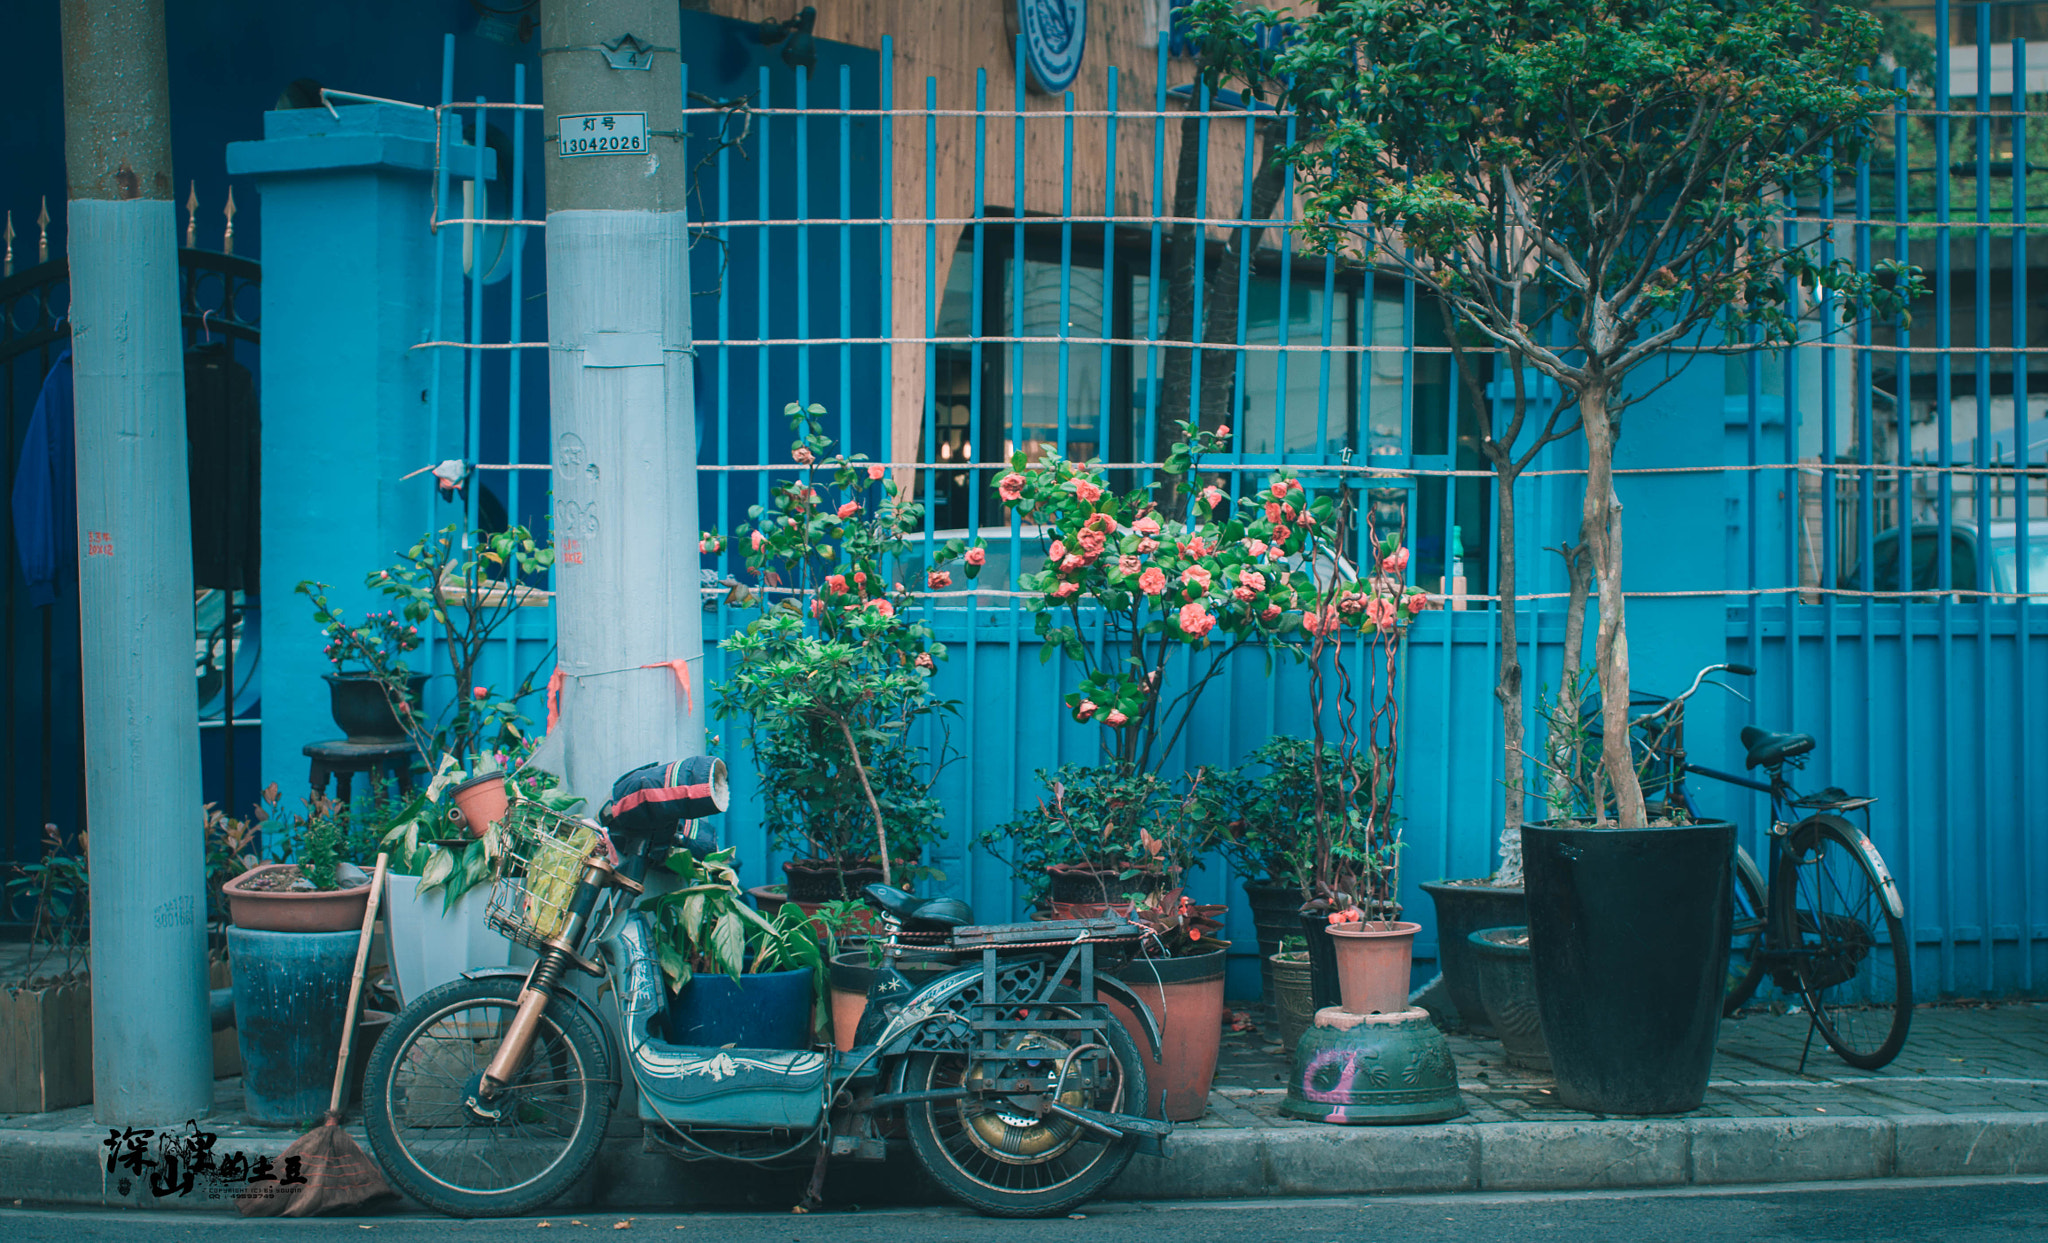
(1629, 931)
(1322, 961)
(1463, 908)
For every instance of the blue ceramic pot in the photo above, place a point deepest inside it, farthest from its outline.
(291, 997)
(771, 1010)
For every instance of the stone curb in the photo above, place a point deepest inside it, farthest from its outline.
(69, 1167)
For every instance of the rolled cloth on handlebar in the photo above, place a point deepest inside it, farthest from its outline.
(655, 802)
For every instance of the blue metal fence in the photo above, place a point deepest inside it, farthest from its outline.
(1791, 511)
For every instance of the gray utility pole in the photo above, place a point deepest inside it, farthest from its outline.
(620, 386)
(152, 1037)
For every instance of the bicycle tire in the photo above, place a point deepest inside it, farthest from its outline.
(1746, 966)
(1854, 960)
(440, 1154)
(963, 1160)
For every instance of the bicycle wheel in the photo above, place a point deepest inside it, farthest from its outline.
(1009, 1162)
(548, 1123)
(1745, 948)
(1854, 959)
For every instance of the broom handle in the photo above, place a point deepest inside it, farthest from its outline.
(355, 984)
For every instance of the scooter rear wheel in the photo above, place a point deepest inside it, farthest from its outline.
(548, 1123)
(1008, 1163)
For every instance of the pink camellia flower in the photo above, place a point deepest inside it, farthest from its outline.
(1011, 487)
(1282, 486)
(1417, 602)
(1146, 526)
(1395, 562)
(849, 509)
(1088, 490)
(939, 579)
(925, 662)
(759, 541)
(1091, 542)
(1146, 547)
(882, 606)
(1289, 511)
(1073, 561)
(1223, 429)
(1243, 593)
(817, 607)
(1129, 565)
(1084, 710)
(801, 454)
(704, 546)
(481, 692)
(1213, 495)
(1116, 718)
(1272, 511)
(1197, 575)
(1270, 612)
(1320, 621)
(1251, 578)
(1280, 536)
(835, 583)
(875, 471)
(1058, 551)
(860, 577)
(976, 556)
(1256, 547)
(1195, 546)
(1152, 581)
(1351, 603)
(1066, 589)
(1196, 620)
(1379, 611)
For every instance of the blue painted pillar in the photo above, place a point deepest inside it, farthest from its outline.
(350, 285)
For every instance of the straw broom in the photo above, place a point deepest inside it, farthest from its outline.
(338, 1173)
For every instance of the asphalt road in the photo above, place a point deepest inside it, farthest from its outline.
(1918, 1211)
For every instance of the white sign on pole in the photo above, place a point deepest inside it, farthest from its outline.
(604, 133)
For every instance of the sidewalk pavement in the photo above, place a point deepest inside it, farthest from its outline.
(1969, 1096)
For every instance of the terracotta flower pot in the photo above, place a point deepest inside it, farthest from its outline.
(480, 803)
(1373, 961)
(261, 910)
(1185, 996)
(850, 977)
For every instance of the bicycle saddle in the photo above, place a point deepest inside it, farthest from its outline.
(920, 913)
(1768, 749)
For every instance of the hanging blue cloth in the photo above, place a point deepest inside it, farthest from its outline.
(45, 500)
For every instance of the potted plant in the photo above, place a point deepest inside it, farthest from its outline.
(1178, 974)
(835, 677)
(370, 681)
(737, 977)
(46, 1009)
(1260, 813)
(1102, 836)
(296, 926)
(468, 584)
(1153, 583)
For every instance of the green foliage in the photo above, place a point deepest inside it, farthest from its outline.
(469, 584)
(1587, 183)
(59, 889)
(1111, 818)
(1262, 813)
(705, 924)
(834, 674)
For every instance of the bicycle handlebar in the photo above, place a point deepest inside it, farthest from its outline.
(1671, 705)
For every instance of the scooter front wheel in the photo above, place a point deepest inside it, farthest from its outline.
(522, 1148)
(1008, 1162)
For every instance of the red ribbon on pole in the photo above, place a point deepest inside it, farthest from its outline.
(681, 668)
(555, 681)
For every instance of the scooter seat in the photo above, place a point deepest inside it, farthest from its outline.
(936, 914)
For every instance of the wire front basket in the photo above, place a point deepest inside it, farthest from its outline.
(539, 865)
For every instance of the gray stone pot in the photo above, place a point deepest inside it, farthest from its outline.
(1507, 988)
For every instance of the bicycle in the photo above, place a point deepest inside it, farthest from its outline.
(1825, 920)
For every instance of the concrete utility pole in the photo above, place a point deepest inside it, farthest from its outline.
(620, 386)
(152, 1036)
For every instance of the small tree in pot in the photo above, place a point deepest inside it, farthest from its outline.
(835, 675)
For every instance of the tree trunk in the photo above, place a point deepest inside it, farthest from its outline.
(1508, 687)
(1563, 747)
(1602, 517)
(1222, 288)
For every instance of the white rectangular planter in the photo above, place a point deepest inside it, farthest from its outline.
(428, 948)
